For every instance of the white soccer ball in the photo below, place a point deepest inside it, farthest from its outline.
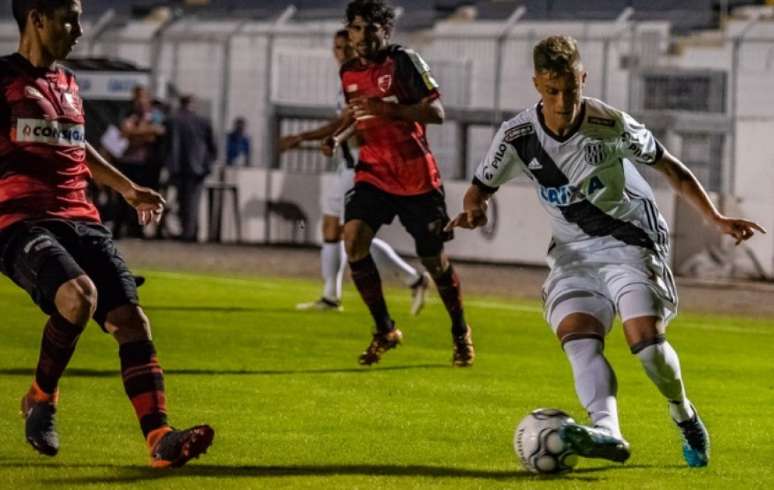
(538, 445)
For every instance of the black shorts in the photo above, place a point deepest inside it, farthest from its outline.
(41, 255)
(423, 216)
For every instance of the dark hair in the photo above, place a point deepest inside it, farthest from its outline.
(376, 11)
(186, 100)
(22, 8)
(342, 33)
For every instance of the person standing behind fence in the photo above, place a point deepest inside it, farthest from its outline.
(191, 151)
(138, 162)
(238, 144)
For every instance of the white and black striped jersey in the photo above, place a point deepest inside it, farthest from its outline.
(585, 180)
(349, 148)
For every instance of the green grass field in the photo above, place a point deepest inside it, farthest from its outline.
(292, 408)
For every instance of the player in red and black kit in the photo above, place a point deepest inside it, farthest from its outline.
(52, 243)
(393, 96)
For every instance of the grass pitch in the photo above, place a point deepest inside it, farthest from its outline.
(292, 408)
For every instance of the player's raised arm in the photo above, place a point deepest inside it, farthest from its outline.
(320, 133)
(688, 186)
(148, 203)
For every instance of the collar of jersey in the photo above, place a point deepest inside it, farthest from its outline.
(571, 133)
(28, 68)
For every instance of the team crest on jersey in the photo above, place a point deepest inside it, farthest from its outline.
(516, 132)
(594, 152)
(32, 93)
(384, 82)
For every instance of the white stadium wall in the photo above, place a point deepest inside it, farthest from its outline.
(518, 233)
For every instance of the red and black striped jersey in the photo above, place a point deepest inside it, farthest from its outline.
(43, 170)
(394, 154)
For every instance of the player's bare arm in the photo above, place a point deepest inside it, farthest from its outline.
(686, 185)
(148, 203)
(320, 133)
(428, 111)
(474, 206)
(344, 129)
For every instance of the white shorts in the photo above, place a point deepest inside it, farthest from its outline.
(631, 289)
(333, 200)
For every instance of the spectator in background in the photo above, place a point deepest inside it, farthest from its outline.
(191, 152)
(238, 144)
(140, 161)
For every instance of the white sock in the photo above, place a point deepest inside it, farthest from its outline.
(595, 382)
(389, 263)
(332, 267)
(663, 368)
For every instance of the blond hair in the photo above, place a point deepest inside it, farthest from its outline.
(557, 54)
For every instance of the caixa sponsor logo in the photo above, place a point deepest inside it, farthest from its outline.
(50, 132)
(560, 196)
(568, 194)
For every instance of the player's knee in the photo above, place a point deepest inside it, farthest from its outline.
(576, 326)
(644, 331)
(76, 300)
(356, 247)
(127, 324)
(331, 229)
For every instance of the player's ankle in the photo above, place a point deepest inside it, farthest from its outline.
(39, 396)
(155, 435)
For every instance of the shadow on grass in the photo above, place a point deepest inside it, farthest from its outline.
(109, 373)
(131, 474)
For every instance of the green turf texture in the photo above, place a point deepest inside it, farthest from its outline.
(292, 409)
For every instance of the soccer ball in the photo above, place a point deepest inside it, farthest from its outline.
(538, 445)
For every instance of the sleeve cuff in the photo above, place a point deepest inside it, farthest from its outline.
(484, 187)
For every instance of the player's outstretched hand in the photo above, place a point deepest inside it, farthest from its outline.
(740, 229)
(469, 219)
(289, 142)
(327, 146)
(148, 203)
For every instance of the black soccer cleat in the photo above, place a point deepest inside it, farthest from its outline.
(176, 447)
(696, 441)
(40, 422)
(380, 343)
(594, 442)
(464, 352)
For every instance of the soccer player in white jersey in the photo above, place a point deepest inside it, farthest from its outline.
(332, 257)
(609, 248)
